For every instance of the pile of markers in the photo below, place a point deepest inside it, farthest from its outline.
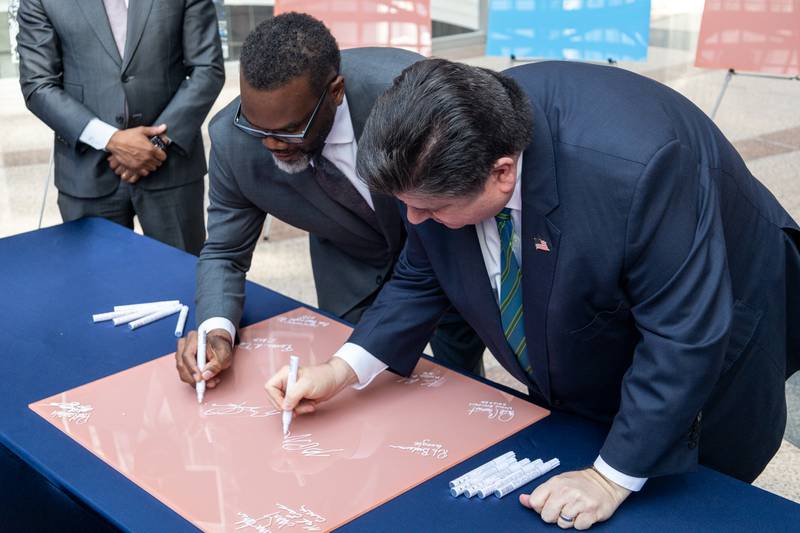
(500, 476)
(138, 315)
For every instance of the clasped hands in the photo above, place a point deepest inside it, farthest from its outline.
(133, 156)
(576, 499)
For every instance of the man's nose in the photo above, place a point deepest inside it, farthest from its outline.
(417, 216)
(273, 144)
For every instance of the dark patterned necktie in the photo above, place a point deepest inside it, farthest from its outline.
(339, 188)
(511, 314)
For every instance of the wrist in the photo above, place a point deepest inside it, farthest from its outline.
(222, 334)
(343, 372)
(616, 490)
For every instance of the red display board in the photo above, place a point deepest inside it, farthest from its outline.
(225, 465)
(354, 23)
(750, 36)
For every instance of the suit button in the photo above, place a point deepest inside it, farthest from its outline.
(126, 79)
(692, 444)
(378, 279)
(120, 119)
(557, 403)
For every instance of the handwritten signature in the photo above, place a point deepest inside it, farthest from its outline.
(305, 445)
(284, 517)
(232, 409)
(427, 379)
(304, 320)
(425, 448)
(499, 411)
(72, 411)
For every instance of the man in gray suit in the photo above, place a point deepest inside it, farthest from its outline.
(288, 148)
(125, 85)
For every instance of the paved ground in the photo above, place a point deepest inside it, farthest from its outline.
(761, 116)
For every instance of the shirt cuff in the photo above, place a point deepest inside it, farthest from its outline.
(364, 364)
(219, 322)
(631, 483)
(97, 134)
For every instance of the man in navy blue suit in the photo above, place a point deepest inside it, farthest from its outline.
(609, 246)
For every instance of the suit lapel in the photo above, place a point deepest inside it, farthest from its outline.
(540, 243)
(391, 225)
(138, 13)
(305, 184)
(95, 13)
(467, 259)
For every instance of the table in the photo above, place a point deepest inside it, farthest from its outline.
(52, 280)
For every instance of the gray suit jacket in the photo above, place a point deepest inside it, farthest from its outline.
(350, 259)
(71, 72)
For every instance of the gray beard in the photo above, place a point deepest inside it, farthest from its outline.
(293, 167)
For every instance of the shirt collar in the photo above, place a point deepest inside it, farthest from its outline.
(515, 203)
(342, 129)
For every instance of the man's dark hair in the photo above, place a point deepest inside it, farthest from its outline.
(440, 128)
(287, 46)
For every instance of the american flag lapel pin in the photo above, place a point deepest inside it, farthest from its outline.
(540, 244)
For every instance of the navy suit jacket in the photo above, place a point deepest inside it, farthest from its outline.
(669, 270)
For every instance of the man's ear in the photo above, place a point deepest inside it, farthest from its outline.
(504, 174)
(337, 89)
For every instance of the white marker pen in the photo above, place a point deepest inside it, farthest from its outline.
(472, 481)
(181, 321)
(512, 471)
(463, 478)
(475, 488)
(137, 307)
(130, 316)
(200, 386)
(154, 316)
(491, 471)
(294, 363)
(527, 478)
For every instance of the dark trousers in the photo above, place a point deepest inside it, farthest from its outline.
(173, 216)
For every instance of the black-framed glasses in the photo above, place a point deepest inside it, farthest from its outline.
(288, 138)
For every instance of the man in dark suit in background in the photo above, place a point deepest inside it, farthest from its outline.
(638, 274)
(125, 88)
(287, 148)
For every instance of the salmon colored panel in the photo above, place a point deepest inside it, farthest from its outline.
(225, 465)
(354, 23)
(751, 35)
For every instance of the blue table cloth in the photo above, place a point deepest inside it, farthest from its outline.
(53, 280)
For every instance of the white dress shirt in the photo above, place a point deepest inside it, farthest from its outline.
(97, 133)
(340, 149)
(367, 367)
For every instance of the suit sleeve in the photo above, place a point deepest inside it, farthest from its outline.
(398, 325)
(40, 75)
(234, 226)
(677, 279)
(202, 56)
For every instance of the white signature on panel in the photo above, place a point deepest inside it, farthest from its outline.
(260, 342)
(233, 409)
(305, 445)
(428, 379)
(284, 517)
(72, 411)
(499, 411)
(425, 448)
(304, 320)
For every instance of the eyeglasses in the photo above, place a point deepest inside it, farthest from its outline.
(285, 137)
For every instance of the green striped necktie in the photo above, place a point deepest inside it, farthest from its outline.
(511, 292)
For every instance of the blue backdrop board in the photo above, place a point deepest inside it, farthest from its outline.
(589, 30)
